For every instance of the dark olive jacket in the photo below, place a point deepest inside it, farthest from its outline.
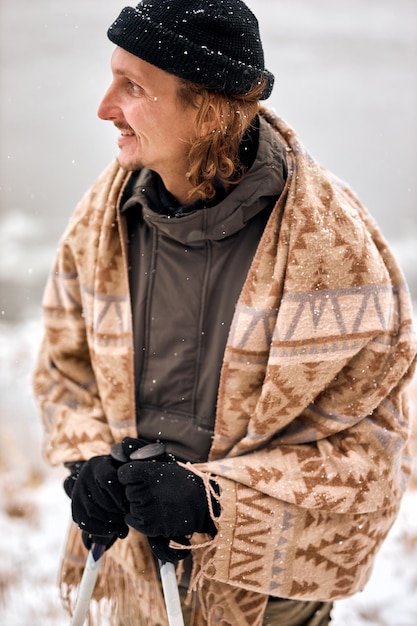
(186, 273)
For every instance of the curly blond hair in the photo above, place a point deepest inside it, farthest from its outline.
(214, 156)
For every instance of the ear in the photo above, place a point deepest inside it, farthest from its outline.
(211, 124)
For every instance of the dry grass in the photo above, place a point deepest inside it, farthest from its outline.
(18, 482)
(413, 439)
(7, 581)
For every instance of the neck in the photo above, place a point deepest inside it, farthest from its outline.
(179, 187)
(175, 180)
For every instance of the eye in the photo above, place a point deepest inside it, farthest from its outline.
(135, 89)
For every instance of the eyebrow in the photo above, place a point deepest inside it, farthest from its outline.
(121, 72)
(135, 78)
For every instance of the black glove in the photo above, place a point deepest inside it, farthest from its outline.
(98, 501)
(69, 482)
(161, 549)
(166, 499)
(159, 545)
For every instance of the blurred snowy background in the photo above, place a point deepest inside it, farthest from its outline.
(346, 79)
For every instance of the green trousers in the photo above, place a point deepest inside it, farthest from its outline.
(296, 613)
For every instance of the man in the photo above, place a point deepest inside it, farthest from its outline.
(219, 291)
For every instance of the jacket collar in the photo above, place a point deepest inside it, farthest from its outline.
(260, 188)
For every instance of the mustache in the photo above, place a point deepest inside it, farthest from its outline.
(121, 126)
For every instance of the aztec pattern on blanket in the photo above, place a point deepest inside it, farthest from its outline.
(313, 386)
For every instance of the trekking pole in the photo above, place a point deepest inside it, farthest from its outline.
(93, 562)
(88, 581)
(87, 584)
(171, 594)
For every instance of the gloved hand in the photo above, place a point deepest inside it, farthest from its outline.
(159, 545)
(98, 501)
(166, 499)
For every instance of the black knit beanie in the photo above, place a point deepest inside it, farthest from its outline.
(214, 43)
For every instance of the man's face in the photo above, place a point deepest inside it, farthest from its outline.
(155, 126)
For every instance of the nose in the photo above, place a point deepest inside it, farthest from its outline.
(108, 109)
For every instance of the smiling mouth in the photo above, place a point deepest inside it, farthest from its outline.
(124, 131)
(125, 138)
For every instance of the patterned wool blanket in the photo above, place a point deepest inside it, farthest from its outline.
(310, 444)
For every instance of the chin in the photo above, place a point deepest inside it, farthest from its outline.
(130, 165)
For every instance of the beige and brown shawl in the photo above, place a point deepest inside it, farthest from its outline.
(310, 446)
